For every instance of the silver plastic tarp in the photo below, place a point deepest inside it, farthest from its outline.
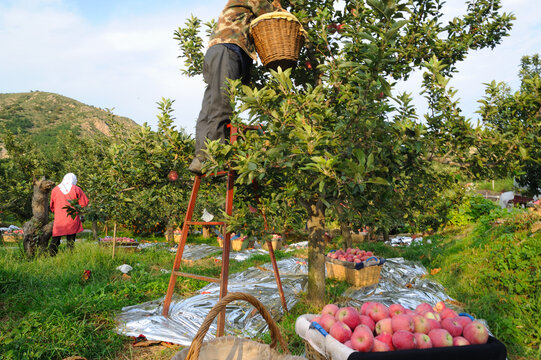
(401, 282)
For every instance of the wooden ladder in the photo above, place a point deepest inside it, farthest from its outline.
(223, 280)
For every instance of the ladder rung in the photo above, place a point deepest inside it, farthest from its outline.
(205, 222)
(194, 276)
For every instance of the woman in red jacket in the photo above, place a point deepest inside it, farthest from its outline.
(63, 223)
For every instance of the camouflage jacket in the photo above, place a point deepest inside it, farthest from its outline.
(233, 25)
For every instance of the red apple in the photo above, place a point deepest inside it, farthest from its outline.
(349, 316)
(433, 324)
(378, 311)
(396, 309)
(453, 326)
(384, 326)
(362, 338)
(327, 321)
(172, 176)
(420, 324)
(386, 338)
(330, 309)
(380, 346)
(460, 341)
(440, 305)
(423, 307)
(367, 320)
(463, 320)
(448, 313)
(476, 333)
(364, 307)
(340, 332)
(440, 338)
(432, 315)
(403, 340)
(422, 341)
(402, 322)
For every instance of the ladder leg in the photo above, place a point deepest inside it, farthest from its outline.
(180, 249)
(277, 276)
(226, 249)
(271, 253)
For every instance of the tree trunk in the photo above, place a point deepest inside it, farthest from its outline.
(206, 232)
(344, 227)
(95, 230)
(169, 233)
(316, 253)
(37, 231)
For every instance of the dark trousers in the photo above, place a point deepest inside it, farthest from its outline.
(220, 63)
(55, 242)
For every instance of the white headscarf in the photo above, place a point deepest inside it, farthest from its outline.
(66, 184)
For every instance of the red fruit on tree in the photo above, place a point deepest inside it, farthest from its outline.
(172, 176)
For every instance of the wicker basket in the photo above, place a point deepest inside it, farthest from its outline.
(12, 237)
(238, 244)
(223, 348)
(276, 244)
(278, 38)
(311, 353)
(340, 270)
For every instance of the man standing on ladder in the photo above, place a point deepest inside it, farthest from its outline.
(229, 56)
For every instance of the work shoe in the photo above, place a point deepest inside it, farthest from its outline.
(196, 166)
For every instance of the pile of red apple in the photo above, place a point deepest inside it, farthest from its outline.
(376, 327)
(351, 255)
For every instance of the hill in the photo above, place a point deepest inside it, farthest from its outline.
(44, 116)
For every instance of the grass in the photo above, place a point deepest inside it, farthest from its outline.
(499, 185)
(47, 311)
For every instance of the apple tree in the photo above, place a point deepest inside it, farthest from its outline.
(139, 179)
(333, 131)
(516, 119)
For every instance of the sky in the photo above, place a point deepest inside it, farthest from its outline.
(121, 55)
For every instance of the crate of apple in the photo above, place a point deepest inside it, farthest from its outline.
(376, 327)
(120, 241)
(350, 255)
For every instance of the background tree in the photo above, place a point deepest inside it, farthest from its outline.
(139, 180)
(515, 118)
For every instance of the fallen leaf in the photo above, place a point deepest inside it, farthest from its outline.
(435, 271)
(409, 286)
(126, 276)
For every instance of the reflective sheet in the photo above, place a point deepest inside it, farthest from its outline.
(187, 315)
(197, 251)
(401, 282)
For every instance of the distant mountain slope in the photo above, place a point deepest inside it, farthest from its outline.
(44, 115)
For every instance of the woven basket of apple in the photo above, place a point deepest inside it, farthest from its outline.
(376, 331)
(12, 237)
(357, 267)
(276, 242)
(120, 243)
(237, 242)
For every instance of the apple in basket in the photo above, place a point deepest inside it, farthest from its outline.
(340, 332)
(476, 333)
(349, 316)
(362, 338)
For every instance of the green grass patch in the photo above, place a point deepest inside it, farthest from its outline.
(499, 185)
